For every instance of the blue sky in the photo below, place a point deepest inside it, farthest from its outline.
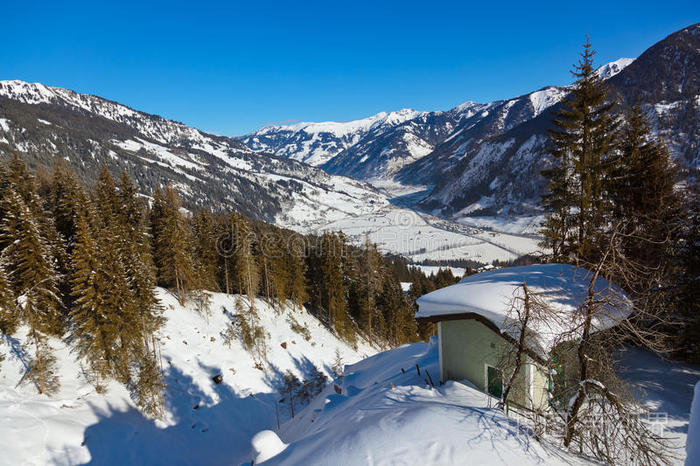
(232, 67)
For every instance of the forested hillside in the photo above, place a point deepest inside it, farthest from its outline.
(81, 264)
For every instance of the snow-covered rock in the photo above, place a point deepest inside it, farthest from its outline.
(266, 444)
(609, 70)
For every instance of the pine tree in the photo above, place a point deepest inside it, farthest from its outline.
(65, 196)
(583, 145)
(294, 258)
(140, 270)
(225, 246)
(332, 289)
(106, 200)
(204, 235)
(687, 278)
(94, 331)
(247, 272)
(27, 256)
(9, 316)
(172, 244)
(149, 386)
(397, 313)
(373, 278)
(642, 192)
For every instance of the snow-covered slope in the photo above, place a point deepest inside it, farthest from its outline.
(366, 149)
(206, 423)
(386, 416)
(43, 123)
(381, 415)
(609, 70)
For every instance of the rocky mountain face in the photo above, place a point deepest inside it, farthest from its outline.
(42, 124)
(665, 79)
(501, 172)
(374, 147)
(383, 152)
(487, 158)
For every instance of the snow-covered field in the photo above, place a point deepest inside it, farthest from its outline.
(206, 423)
(419, 236)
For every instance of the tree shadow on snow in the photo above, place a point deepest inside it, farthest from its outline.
(210, 425)
(205, 430)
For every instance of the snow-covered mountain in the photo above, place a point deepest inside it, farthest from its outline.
(501, 172)
(374, 147)
(316, 143)
(43, 123)
(609, 70)
(493, 119)
(379, 147)
(487, 158)
(416, 148)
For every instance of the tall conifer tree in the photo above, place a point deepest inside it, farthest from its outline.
(583, 146)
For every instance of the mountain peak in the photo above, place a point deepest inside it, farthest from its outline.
(609, 70)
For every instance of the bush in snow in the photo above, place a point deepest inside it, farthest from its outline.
(300, 329)
(252, 335)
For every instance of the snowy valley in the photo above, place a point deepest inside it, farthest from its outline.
(173, 296)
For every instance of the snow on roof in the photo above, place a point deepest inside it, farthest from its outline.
(562, 287)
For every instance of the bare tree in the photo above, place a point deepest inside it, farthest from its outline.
(591, 408)
(597, 409)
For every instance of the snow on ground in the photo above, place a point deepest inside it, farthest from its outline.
(666, 388)
(381, 416)
(384, 416)
(206, 422)
(420, 237)
(692, 447)
(434, 269)
(524, 225)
